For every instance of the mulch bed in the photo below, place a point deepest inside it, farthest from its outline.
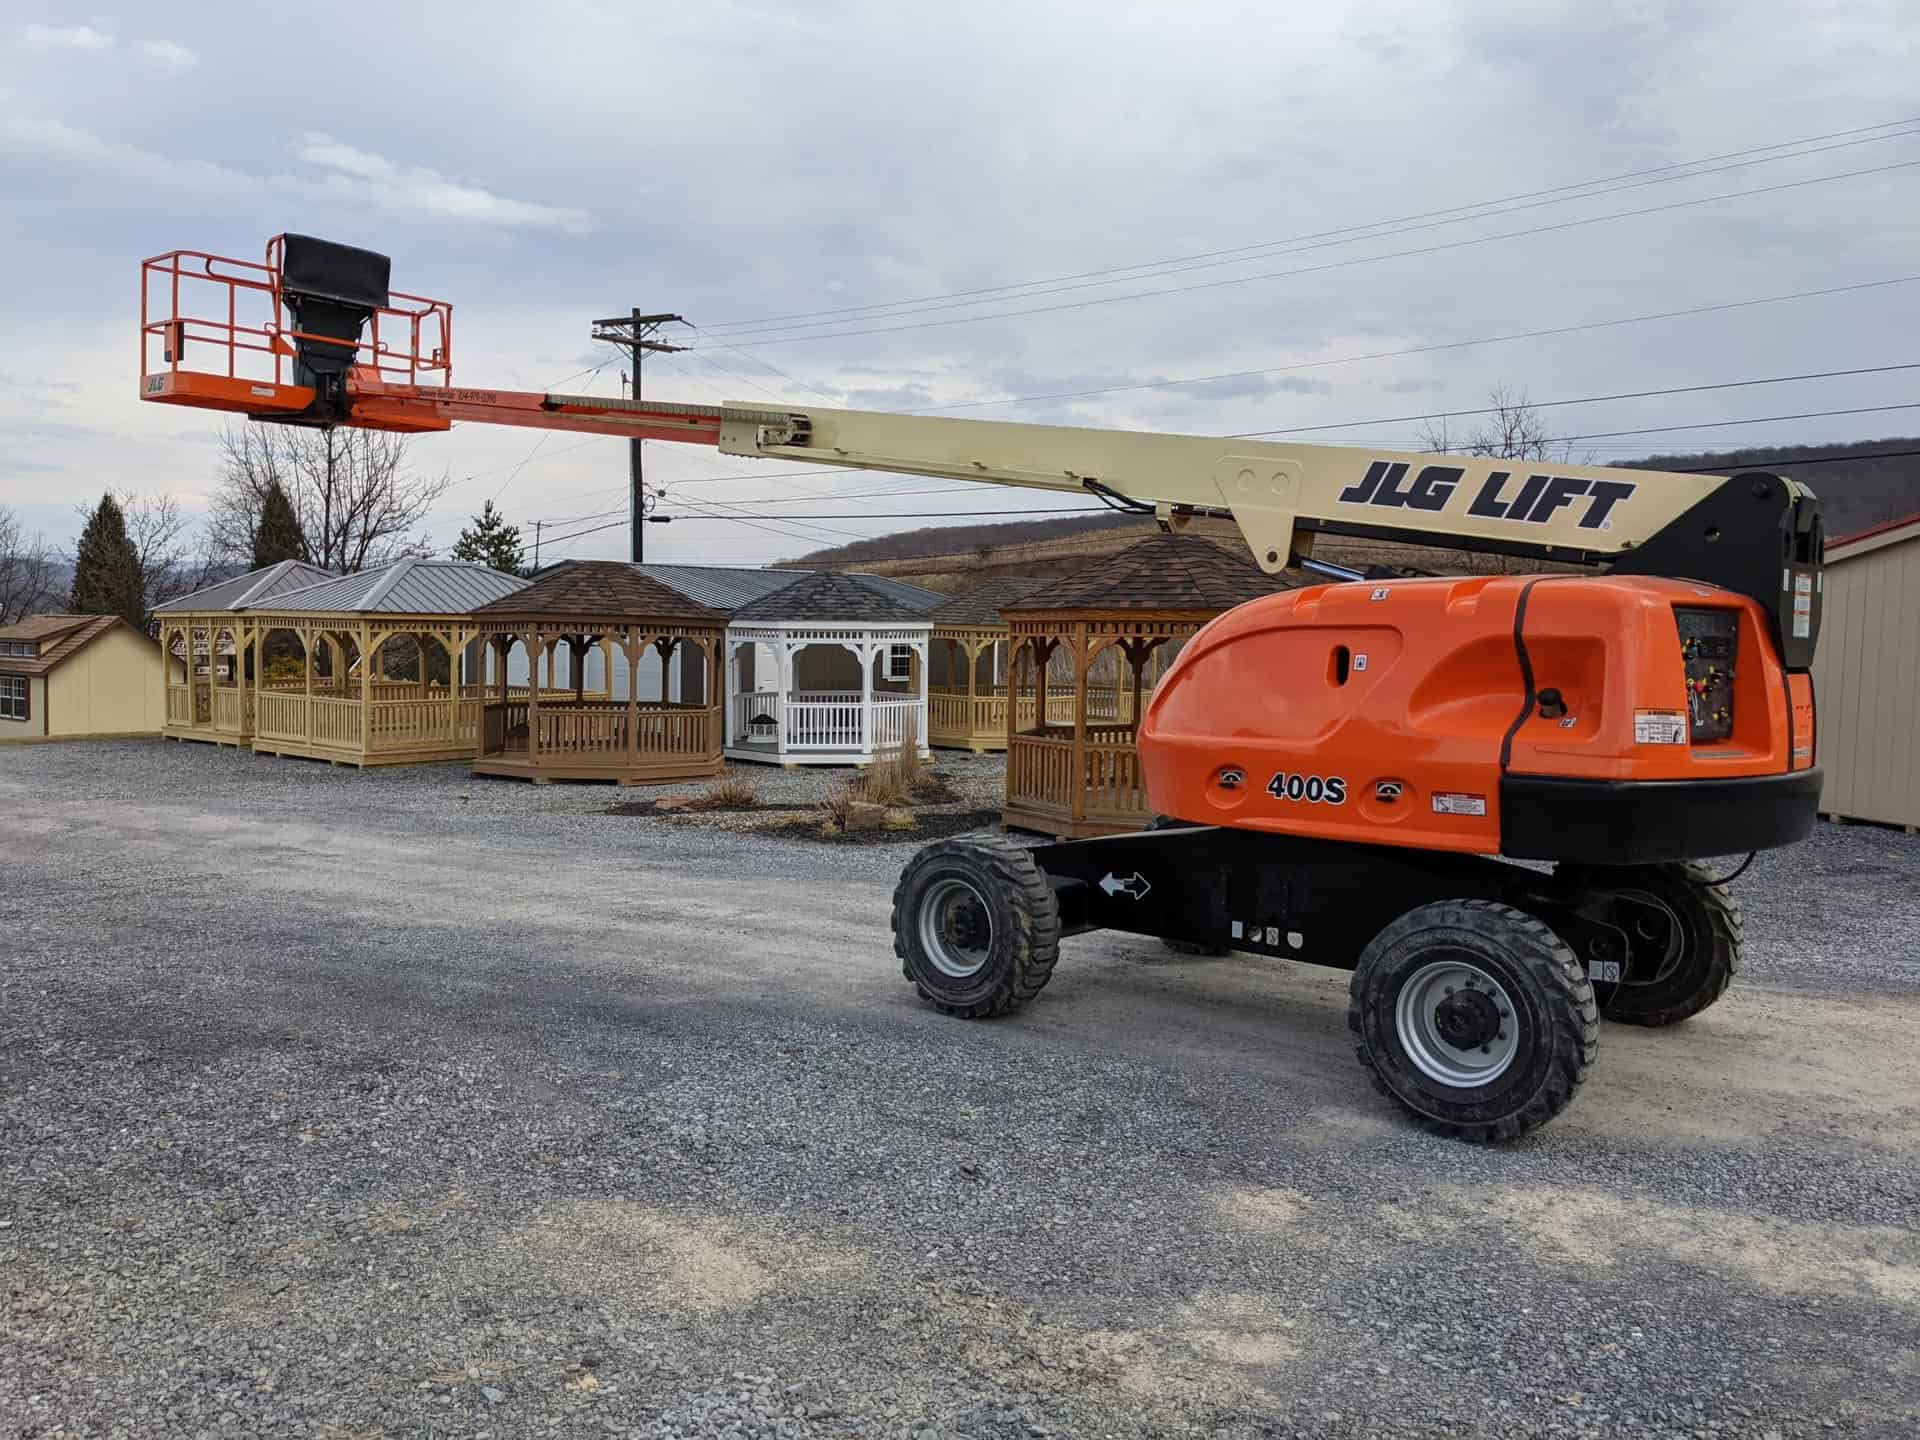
(937, 826)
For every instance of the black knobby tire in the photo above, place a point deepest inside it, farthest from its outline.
(1699, 968)
(1548, 1001)
(1008, 926)
(1184, 947)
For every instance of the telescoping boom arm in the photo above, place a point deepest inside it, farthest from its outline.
(358, 354)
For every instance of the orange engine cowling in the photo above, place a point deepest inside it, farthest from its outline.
(1605, 719)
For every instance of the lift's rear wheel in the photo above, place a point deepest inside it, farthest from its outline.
(1474, 1017)
(1683, 939)
(975, 926)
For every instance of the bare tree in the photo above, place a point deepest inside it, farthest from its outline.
(167, 564)
(26, 570)
(357, 501)
(1513, 430)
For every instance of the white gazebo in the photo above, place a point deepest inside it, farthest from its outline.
(830, 670)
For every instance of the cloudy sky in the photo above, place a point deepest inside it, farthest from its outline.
(1322, 202)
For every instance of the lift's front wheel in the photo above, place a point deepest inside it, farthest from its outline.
(1474, 1017)
(975, 926)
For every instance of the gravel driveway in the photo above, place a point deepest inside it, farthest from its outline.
(402, 1104)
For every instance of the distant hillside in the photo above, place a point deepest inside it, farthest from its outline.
(1854, 494)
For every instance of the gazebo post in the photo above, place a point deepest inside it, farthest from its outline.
(634, 646)
(1083, 665)
(867, 653)
(785, 682)
(362, 638)
(973, 663)
(307, 639)
(535, 657)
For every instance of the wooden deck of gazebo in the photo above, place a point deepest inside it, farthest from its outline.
(548, 734)
(1105, 633)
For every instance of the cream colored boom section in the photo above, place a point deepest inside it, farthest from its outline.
(1580, 511)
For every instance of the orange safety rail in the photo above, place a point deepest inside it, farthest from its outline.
(213, 335)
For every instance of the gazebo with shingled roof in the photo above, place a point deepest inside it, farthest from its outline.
(967, 666)
(609, 606)
(1105, 633)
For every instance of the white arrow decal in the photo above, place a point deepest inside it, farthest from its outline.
(1134, 887)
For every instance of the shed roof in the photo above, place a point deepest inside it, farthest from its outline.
(598, 589)
(412, 586)
(835, 598)
(720, 587)
(1874, 537)
(982, 604)
(60, 638)
(253, 588)
(726, 589)
(1163, 572)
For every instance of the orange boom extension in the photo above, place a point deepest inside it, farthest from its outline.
(1346, 770)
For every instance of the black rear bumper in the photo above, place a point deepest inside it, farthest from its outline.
(1631, 822)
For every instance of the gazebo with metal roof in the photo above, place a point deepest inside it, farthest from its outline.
(967, 666)
(1103, 634)
(829, 670)
(385, 676)
(211, 651)
(603, 605)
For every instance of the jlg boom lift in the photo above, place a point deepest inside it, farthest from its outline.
(1347, 770)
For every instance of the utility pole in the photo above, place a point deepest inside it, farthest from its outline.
(635, 332)
(537, 526)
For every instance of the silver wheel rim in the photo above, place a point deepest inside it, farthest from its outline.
(1416, 1020)
(956, 928)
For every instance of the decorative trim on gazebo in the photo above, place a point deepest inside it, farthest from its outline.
(545, 734)
(1108, 630)
(346, 707)
(967, 710)
(209, 627)
(801, 679)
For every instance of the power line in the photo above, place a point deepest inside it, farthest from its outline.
(1279, 248)
(778, 339)
(851, 310)
(1440, 346)
(1750, 420)
(1585, 400)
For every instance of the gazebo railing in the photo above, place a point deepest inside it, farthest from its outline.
(831, 724)
(892, 719)
(1041, 776)
(232, 709)
(830, 720)
(596, 732)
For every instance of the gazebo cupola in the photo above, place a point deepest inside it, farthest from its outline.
(1098, 639)
(830, 670)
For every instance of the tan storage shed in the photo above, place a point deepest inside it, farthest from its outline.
(1866, 676)
(78, 677)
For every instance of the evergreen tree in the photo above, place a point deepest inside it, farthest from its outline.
(278, 535)
(491, 541)
(107, 578)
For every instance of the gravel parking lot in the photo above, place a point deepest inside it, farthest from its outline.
(401, 1104)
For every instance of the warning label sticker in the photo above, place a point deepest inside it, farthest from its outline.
(1660, 727)
(1453, 803)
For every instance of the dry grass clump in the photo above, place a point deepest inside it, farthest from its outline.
(730, 792)
(882, 794)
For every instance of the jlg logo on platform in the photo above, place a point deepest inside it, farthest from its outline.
(1536, 500)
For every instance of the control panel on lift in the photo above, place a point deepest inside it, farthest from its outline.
(1708, 640)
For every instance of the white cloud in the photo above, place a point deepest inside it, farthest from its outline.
(169, 54)
(418, 190)
(71, 37)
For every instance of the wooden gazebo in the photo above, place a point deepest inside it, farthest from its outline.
(967, 666)
(211, 652)
(1104, 633)
(604, 606)
(386, 677)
